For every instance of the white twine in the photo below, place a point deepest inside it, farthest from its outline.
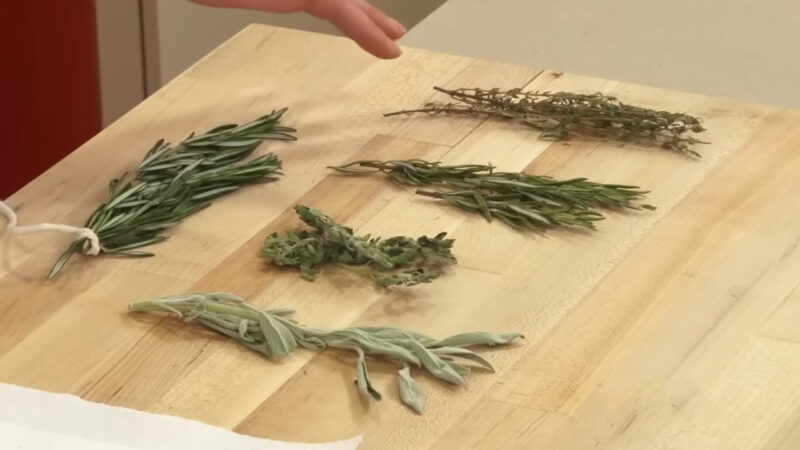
(81, 233)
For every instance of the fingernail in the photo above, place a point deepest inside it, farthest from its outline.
(399, 28)
(395, 52)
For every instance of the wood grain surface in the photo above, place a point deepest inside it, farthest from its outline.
(671, 329)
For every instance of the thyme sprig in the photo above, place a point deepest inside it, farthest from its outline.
(563, 115)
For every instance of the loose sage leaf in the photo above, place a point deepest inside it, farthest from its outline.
(275, 334)
(410, 392)
(362, 378)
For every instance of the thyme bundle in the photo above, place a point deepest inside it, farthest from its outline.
(563, 115)
(172, 183)
(390, 262)
(276, 334)
(518, 199)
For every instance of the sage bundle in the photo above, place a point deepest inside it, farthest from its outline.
(275, 334)
(563, 115)
(519, 199)
(173, 182)
(395, 261)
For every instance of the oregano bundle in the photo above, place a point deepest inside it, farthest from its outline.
(394, 261)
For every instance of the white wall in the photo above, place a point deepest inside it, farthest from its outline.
(186, 31)
(742, 49)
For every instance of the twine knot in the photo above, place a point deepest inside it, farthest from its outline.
(90, 247)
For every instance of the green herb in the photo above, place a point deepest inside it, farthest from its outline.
(394, 261)
(563, 115)
(172, 183)
(275, 334)
(519, 199)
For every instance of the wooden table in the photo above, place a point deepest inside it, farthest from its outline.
(668, 329)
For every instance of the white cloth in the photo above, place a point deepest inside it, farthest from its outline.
(37, 420)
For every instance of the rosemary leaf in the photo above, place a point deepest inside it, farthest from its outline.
(519, 199)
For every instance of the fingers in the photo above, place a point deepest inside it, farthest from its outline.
(393, 29)
(352, 18)
(276, 6)
(373, 30)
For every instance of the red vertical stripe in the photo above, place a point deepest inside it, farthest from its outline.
(49, 78)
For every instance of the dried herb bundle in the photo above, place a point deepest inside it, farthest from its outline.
(395, 261)
(276, 335)
(172, 183)
(519, 199)
(562, 115)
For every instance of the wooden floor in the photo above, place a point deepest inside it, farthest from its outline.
(672, 329)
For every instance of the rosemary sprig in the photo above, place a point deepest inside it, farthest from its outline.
(519, 199)
(172, 183)
(390, 262)
(563, 115)
(276, 334)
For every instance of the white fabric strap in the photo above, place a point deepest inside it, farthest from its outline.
(82, 233)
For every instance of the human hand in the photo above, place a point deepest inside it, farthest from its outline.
(368, 26)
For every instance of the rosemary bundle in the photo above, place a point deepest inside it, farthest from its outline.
(172, 183)
(276, 335)
(563, 115)
(390, 262)
(518, 199)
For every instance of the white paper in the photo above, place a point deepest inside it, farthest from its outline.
(18, 437)
(38, 420)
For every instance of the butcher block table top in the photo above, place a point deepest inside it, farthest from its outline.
(675, 329)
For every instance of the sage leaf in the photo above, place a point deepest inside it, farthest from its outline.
(410, 392)
(362, 378)
(278, 340)
(435, 365)
(465, 354)
(477, 338)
